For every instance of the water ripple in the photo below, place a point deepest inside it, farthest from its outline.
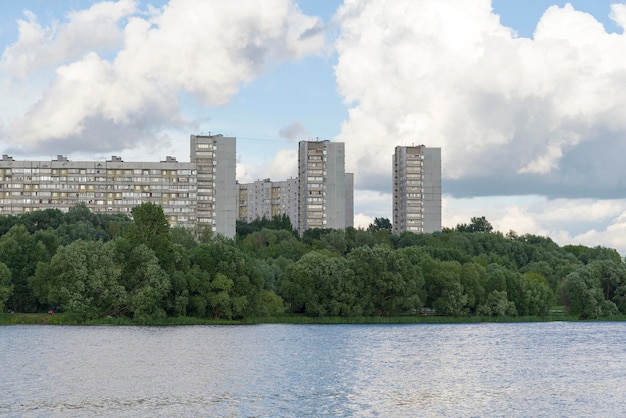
(473, 370)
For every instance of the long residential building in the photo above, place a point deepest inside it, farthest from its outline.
(198, 194)
(416, 189)
(267, 199)
(204, 193)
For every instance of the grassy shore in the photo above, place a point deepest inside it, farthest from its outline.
(70, 319)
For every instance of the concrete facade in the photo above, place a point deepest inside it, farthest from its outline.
(349, 199)
(323, 198)
(216, 163)
(266, 199)
(204, 193)
(416, 189)
(197, 194)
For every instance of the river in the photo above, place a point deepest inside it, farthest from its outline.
(548, 369)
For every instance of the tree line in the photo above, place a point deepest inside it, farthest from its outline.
(101, 265)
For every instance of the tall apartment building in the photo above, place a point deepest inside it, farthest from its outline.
(324, 199)
(215, 159)
(266, 199)
(416, 189)
(200, 193)
(349, 199)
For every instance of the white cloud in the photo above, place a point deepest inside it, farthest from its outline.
(243, 174)
(618, 14)
(207, 49)
(362, 221)
(540, 115)
(283, 166)
(518, 219)
(87, 30)
(373, 203)
(567, 221)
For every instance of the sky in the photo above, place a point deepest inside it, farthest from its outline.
(525, 98)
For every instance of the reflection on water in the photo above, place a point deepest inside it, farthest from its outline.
(544, 369)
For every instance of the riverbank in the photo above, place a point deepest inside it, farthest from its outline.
(70, 319)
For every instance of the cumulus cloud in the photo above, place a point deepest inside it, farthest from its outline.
(38, 47)
(512, 115)
(283, 166)
(206, 49)
(375, 204)
(588, 222)
(614, 236)
(362, 221)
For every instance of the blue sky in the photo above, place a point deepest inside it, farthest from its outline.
(525, 98)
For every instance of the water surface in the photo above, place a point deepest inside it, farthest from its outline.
(465, 370)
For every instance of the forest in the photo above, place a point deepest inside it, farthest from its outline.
(112, 266)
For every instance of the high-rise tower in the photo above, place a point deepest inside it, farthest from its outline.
(215, 161)
(416, 189)
(324, 193)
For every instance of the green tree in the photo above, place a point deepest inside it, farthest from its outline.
(320, 284)
(224, 258)
(82, 277)
(281, 222)
(182, 236)
(585, 290)
(270, 243)
(311, 235)
(497, 277)
(146, 284)
(336, 241)
(46, 244)
(150, 224)
(476, 225)
(473, 279)
(150, 287)
(380, 224)
(587, 254)
(390, 282)
(79, 213)
(406, 239)
(6, 288)
(223, 303)
(151, 228)
(17, 253)
(270, 303)
(178, 299)
(219, 298)
(497, 304)
(529, 292)
(42, 219)
(537, 297)
(198, 285)
(79, 230)
(582, 296)
(358, 238)
(278, 222)
(7, 222)
(446, 293)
